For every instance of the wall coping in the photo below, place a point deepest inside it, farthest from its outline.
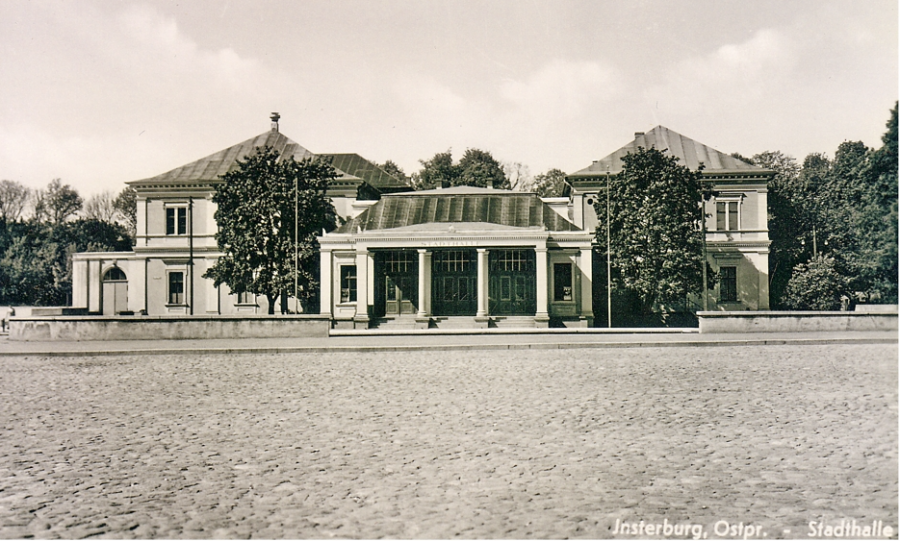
(788, 313)
(176, 318)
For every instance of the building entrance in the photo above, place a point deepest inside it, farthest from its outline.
(396, 283)
(512, 290)
(454, 283)
(115, 292)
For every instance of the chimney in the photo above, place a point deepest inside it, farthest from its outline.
(638, 134)
(275, 117)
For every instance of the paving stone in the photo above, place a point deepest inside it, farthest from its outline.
(521, 443)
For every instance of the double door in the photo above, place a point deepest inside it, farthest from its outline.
(397, 282)
(454, 283)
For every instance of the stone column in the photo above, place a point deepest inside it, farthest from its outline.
(482, 311)
(586, 266)
(325, 283)
(362, 288)
(423, 315)
(541, 316)
(423, 276)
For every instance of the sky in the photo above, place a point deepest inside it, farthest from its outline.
(100, 92)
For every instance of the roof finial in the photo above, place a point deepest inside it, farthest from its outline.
(275, 117)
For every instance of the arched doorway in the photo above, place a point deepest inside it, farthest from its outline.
(115, 292)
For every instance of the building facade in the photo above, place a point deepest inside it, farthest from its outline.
(458, 256)
(175, 242)
(438, 258)
(737, 234)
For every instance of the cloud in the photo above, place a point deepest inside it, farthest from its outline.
(735, 74)
(114, 94)
(562, 88)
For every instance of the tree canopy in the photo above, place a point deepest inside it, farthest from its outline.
(656, 241)
(57, 203)
(256, 219)
(843, 210)
(476, 168)
(549, 184)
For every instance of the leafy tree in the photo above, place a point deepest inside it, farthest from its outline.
(655, 229)
(126, 209)
(36, 261)
(479, 168)
(549, 184)
(476, 168)
(256, 217)
(844, 207)
(437, 172)
(13, 198)
(57, 203)
(816, 286)
(394, 170)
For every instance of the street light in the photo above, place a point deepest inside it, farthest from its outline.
(296, 263)
(608, 260)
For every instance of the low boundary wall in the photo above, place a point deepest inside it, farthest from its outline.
(166, 328)
(738, 322)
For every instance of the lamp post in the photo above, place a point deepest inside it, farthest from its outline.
(704, 293)
(608, 261)
(296, 263)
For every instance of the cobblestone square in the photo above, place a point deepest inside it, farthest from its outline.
(440, 444)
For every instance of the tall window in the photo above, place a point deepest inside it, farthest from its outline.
(348, 283)
(562, 281)
(176, 221)
(728, 284)
(727, 216)
(176, 288)
(245, 298)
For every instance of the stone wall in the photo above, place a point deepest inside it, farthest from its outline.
(33, 328)
(741, 322)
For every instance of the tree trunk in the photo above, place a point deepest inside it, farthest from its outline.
(271, 299)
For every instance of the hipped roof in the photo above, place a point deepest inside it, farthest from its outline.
(458, 205)
(690, 153)
(212, 167)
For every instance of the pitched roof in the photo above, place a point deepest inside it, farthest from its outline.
(690, 153)
(357, 166)
(458, 205)
(213, 166)
(351, 169)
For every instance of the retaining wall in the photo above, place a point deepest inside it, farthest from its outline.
(738, 322)
(166, 328)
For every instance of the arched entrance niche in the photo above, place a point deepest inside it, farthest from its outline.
(115, 291)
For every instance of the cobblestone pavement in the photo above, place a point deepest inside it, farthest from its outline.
(522, 444)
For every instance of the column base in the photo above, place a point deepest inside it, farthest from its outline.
(423, 322)
(361, 322)
(542, 320)
(482, 322)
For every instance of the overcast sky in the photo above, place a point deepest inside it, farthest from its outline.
(102, 92)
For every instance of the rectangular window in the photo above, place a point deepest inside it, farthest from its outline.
(562, 281)
(348, 283)
(176, 221)
(176, 288)
(727, 216)
(245, 298)
(728, 284)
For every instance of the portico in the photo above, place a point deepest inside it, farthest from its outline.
(474, 256)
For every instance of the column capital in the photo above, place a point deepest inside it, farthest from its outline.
(481, 250)
(540, 248)
(424, 251)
